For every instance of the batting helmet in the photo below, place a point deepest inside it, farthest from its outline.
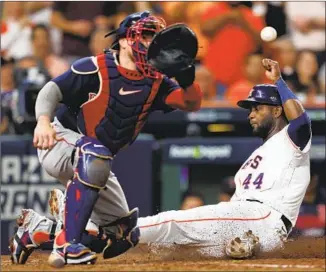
(266, 94)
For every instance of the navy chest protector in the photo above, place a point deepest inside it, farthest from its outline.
(116, 114)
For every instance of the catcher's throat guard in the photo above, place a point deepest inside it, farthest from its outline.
(173, 49)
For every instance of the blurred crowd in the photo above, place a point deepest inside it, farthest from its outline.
(40, 40)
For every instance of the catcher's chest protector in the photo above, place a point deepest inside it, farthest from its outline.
(117, 113)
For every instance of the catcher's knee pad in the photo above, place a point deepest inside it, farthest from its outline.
(92, 162)
(127, 236)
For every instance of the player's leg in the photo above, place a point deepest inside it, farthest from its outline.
(119, 231)
(112, 228)
(89, 173)
(57, 162)
(111, 209)
(212, 226)
(92, 165)
(33, 230)
(111, 213)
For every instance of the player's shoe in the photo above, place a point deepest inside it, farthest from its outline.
(57, 204)
(243, 248)
(33, 230)
(66, 253)
(63, 252)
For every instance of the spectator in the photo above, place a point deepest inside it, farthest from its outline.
(7, 79)
(311, 220)
(191, 12)
(310, 196)
(233, 31)
(192, 200)
(40, 13)
(7, 90)
(321, 79)
(42, 49)
(30, 76)
(15, 31)
(206, 82)
(320, 200)
(305, 85)
(306, 22)
(254, 74)
(77, 20)
(286, 55)
(98, 42)
(126, 8)
(227, 189)
(33, 7)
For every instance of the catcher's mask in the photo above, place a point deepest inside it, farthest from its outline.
(136, 28)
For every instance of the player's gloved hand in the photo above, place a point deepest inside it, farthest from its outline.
(44, 134)
(186, 77)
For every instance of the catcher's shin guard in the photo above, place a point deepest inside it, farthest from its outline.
(127, 236)
(92, 167)
(33, 230)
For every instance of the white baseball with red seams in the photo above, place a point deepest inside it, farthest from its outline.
(268, 34)
(277, 174)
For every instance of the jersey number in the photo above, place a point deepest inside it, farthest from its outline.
(257, 182)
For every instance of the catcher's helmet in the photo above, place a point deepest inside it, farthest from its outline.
(266, 94)
(134, 27)
(121, 32)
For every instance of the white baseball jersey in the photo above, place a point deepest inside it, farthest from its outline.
(277, 174)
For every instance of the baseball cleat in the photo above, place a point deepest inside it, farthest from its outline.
(67, 253)
(57, 204)
(72, 254)
(246, 247)
(33, 230)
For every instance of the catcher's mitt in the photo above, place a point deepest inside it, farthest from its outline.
(173, 49)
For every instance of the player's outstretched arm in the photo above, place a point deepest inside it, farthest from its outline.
(300, 125)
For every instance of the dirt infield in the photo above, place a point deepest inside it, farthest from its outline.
(300, 255)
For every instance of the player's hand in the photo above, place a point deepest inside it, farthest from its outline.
(44, 134)
(273, 71)
(82, 28)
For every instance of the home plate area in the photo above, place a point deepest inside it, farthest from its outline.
(304, 254)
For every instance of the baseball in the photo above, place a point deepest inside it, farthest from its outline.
(268, 34)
